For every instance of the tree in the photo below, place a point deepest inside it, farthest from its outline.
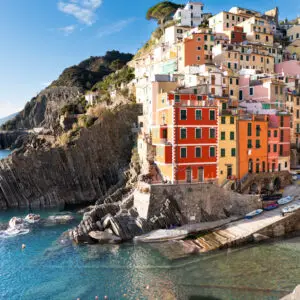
(161, 11)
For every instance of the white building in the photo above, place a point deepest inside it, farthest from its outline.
(190, 15)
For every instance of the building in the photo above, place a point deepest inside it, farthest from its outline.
(293, 33)
(273, 142)
(198, 48)
(227, 146)
(191, 15)
(293, 103)
(223, 21)
(92, 97)
(253, 144)
(236, 35)
(186, 136)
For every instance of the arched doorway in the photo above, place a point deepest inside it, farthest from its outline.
(250, 166)
(188, 175)
(201, 174)
(253, 188)
(257, 166)
(277, 184)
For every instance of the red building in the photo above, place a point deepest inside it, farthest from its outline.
(188, 151)
(237, 35)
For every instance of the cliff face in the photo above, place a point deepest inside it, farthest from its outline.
(42, 111)
(74, 174)
(7, 138)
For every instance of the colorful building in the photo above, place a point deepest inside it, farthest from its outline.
(253, 144)
(186, 138)
(227, 146)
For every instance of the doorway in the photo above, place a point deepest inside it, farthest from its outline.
(188, 175)
(201, 174)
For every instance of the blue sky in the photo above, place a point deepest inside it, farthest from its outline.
(39, 38)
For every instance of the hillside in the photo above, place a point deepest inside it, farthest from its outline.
(43, 110)
(5, 119)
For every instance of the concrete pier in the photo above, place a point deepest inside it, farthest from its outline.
(269, 224)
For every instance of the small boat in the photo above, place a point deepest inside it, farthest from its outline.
(271, 206)
(271, 197)
(285, 200)
(253, 214)
(290, 209)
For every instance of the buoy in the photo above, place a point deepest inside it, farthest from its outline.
(23, 246)
(105, 297)
(147, 287)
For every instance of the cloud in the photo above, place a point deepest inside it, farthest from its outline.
(83, 10)
(67, 30)
(114, 28)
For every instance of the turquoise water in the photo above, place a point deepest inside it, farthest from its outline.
(4, 153)
(45, 270)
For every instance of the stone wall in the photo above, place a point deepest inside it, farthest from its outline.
(196, 202)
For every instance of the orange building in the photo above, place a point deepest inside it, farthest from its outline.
(198, 48)
(252, 144)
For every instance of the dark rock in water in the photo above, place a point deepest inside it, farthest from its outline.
(104, 237)
(9, 138)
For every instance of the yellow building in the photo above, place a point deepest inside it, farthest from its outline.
(294, 50)
(293, 33)
(227, 146)
(293, 105)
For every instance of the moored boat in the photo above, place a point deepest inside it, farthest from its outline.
(285, 200)
(253, 214)
(271, 206)
(271, 197)
(290, 209)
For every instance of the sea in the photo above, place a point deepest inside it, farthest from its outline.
(48, 269)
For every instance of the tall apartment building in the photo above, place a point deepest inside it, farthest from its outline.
(191, 15)
(186, 136)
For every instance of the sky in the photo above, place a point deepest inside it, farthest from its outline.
(40, 38)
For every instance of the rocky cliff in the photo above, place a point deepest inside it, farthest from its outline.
(77, 173)
(42, 110)
(7, 138)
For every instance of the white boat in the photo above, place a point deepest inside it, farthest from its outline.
(290, 209)
(253, 213)
(285, 200)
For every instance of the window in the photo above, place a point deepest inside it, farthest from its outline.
(251, 92)
(222, 152)
(227, 25)
(227, 16)
(230, 80)
(249, 129)
(198, 58)
(224, 105)
(258, 130)
(212, 133)
(275, 133)
(232, 136)
(198, 114)
(212, 115)
(275, 148)
(262, 59)
(199, 39)
(205, 38)
(298, 113)
(229, 65)
(286, 164)
(231, 92)
(240, 95)
(212, 151)
(233, 152)
(257, 144)
(183, 152)
(198, 133)
(242, 57)
(276, 90)
(183, 133)
(253, 58)
(183, 114)
(281, 150)
(269, 133)
(247, 57)
(177, 98)
(237, 82)
(223, 120)
(281, 135)
(222, 135)
(249, 144)
(198, 48)
(269, 148)
(197, 152)
(232, 18)
(231, 120)
(298, 101)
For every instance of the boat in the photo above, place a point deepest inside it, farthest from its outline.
(290, 209)
(271, 197)
(285, 200)
(253, 214)
(271, 206)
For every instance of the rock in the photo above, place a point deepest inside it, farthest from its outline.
(106, 221)
(260, 237)
(99, 225)
(62, 219)
(104, 237)
(295, 295)
(14, 222)
(32, 218)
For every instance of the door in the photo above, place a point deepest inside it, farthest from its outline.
(201, 175)
(188, 175)
(229, 172)
(250, 166)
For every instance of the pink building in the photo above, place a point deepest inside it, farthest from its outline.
(253, 90)
(291, 68)
(273, 142)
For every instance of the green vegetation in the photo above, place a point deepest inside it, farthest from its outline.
(162, 11)
(75, 108)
